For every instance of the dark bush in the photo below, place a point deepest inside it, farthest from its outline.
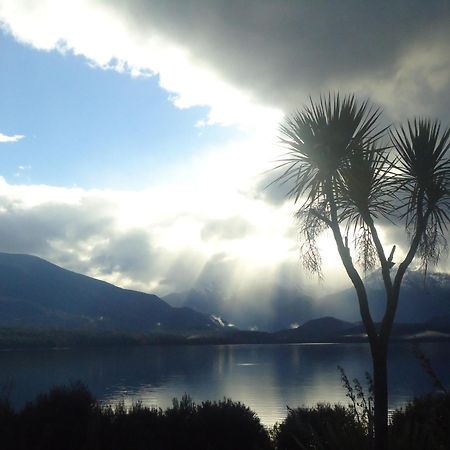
(117, 428)
(424, 424)
(223, 425)
(323, 427)
(228, 425)
(59, 419)
(7, 423)
(69, 418)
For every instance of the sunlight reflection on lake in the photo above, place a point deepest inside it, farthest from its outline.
(264, 377)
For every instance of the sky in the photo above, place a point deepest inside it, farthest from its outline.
(137, 137)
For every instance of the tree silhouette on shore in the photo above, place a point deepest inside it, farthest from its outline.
(348, 175)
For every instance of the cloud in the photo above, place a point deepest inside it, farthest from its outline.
(123, 46)
(246, 60)
(12, 138)
(280, 52)
(231, 228)
(146, 240)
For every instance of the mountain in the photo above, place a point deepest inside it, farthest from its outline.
(36, 293)
(316, 329)
(273, 307)
(330, 329)
(421, 298)
(264, 307)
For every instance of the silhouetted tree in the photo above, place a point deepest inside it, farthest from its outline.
(345, 177)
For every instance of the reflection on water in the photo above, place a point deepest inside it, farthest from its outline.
(264, 377)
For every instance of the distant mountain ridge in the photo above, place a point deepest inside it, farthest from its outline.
(267, 307)
(421, 298)
(330, 329)
(36, 293)
(275, 308)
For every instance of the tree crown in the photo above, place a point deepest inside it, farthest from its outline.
(342, 167)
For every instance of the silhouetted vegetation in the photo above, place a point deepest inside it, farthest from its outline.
(20, 338)
(70, 418)
(361, 404)
(348, 175)
(424, 424)
(29, 338)
(324, 427)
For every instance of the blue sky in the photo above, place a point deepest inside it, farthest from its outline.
(89, 127)
(157, 182)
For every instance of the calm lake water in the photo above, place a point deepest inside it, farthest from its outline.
(264, 377)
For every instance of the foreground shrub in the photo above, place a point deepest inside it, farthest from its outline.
(7, 422)
(116, 428)
(424, 424)
(58, 419)
(228, 425)
(323, 427)
(222, 425)
(69, 418)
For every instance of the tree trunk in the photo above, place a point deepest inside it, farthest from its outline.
(379, 359)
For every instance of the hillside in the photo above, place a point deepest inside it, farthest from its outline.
(272, 307)
(265, 307)
(36, 293)
(421, 299)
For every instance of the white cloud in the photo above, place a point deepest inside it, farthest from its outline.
(12, 138)
(138, 239)
(104, 36)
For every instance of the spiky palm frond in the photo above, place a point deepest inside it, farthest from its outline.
(366, 190)
(366, 186)
(322, 141)
(320, 138)
(424, 178)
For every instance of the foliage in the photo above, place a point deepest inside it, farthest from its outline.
(424, 424)
(361, 405)
(345, 178)
(7, 416)
(60, 416)
(323, 427)
(70, 418)
(424, 177)
(338, 159)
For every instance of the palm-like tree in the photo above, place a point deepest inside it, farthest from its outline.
(345, 180)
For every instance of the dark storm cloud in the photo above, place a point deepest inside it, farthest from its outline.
(282, 51)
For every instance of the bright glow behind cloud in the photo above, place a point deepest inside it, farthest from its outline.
(85, 231)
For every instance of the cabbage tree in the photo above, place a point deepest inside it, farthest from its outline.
(350, 176)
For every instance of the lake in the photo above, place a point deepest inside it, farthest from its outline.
(264, 377)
